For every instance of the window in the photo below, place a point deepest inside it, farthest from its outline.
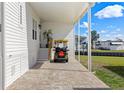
(35, 35)
(20, 14)
(34, 30)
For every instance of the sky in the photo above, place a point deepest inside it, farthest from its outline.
(107, 19)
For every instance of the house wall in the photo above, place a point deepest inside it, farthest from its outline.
(111, 47)
(33, 45)
(117, 47)
(0, 12)
(60, 31)
(0, 52)
(105, 44)
(15, 36)
(0, 29)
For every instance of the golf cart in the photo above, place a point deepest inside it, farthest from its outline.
(60, 51)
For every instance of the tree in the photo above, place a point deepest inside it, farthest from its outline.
(48, 35)
(94, 37)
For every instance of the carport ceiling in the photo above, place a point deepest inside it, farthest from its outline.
(65, 12)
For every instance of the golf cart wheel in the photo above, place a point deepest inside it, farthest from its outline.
(66, 60)
(54, 60)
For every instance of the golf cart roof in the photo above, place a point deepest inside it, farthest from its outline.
(61, 41)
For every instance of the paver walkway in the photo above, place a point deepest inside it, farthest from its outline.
(71, 75)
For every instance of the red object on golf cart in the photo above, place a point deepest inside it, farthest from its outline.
(61, 53)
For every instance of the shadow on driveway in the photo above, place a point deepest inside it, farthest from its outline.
(37, 66)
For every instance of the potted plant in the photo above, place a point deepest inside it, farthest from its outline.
(47, 34)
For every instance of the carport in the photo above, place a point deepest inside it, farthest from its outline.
(18, 56)
(61, 18)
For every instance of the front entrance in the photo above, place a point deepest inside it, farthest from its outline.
(43, 54)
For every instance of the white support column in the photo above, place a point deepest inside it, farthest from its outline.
(79, 40)
(74, 41)
(89, 41)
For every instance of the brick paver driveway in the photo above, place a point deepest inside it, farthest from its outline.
(71, 75)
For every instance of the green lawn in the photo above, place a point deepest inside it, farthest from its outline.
(109, 69)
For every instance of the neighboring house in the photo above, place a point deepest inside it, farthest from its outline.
(110, 45)
(83, 42)
(20, 31)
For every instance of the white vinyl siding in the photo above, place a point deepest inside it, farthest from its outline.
(33, 45)
(0, 52)
(0, 29)
(16, 51)
(0, 12)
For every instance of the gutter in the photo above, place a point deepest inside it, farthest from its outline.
(84, 10)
